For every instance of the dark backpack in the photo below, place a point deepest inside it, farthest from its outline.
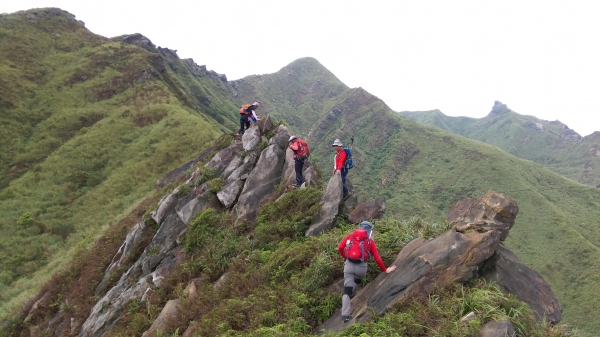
(358, 246)
(349, 163)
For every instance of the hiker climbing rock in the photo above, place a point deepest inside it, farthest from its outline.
(340, 163)
(246, 111)
(356, 248)
(301, 153)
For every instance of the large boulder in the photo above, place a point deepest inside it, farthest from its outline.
(331, 204)
(422, 265)
(260, 184)
(281, 137)
(251, 138)
(498, 328)
(170, 310)
(370, 210)
(513, 276)
(493, 211)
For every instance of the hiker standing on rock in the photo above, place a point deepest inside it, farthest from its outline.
(339, 162)
(246, 111)
(301, 153)
(356, 249)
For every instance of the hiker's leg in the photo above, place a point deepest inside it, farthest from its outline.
(241, 130)
(247, 123)
(298, 164)
(344, 173)
(349, 286)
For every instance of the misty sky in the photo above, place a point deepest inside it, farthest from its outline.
(540, 58)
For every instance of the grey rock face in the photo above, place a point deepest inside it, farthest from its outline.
(243, 171)
(223, 158)
(281, 137)
(192, 204)
(251, 138)
(165, 205)
(331, 203)
(132, 239)
(229, 194)
(261, 183)
(156, 262)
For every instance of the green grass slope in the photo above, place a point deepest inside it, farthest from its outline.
(89, 124)
(551, 144)
(422, 171)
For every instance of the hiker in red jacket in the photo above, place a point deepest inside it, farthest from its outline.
(246, 111)
(356, 248)
(339, 162)
(301, 153)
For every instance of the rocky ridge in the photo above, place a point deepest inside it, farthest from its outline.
(249, 172)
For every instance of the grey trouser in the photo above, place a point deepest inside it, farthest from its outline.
(352, 272)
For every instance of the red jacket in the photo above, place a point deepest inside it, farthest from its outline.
(371, 248)
(340, 158)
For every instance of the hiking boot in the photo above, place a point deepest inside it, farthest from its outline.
(238, 136)
(346, 318)
(295, 185)
(347, 195)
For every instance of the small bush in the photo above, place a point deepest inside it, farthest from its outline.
(184, 190)
(263, 145)
(215, 185)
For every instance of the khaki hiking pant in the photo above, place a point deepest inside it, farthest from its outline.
(353, 273)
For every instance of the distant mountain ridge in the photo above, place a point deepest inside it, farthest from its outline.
(550, 143)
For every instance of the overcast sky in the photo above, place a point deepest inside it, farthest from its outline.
(540, 58)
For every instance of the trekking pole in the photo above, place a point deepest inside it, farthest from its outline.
(351, 142)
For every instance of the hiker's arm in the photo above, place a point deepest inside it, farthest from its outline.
(341, 246)
(376, 256)
(294, 146)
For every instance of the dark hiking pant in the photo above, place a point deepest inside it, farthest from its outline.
(354, 273)
(244, 122)
(344, 173)
(298, 164)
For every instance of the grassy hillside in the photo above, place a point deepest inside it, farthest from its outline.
(422, 171)
(277, 282)
(551, 144)
(89, 125)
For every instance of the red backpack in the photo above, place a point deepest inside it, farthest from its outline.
(303, 150)
(358, 246)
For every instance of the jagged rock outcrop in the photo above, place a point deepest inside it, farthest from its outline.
(498, 109)
(156, 262)
(513, 276)
(331, 204)
(455, 256)
(370, 210)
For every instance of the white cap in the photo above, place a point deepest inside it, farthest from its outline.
(336, 143)
(292, 138)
